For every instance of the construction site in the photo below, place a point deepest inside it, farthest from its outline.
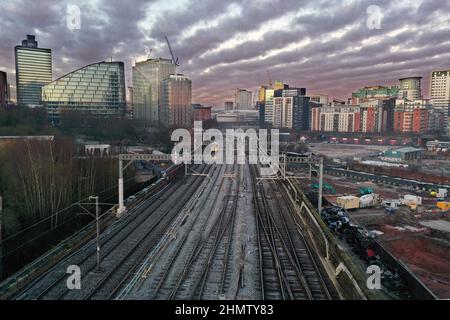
(405, 209)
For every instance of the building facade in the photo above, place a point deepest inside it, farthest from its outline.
(374, 92)
(440, 96)
(33, 71)
(406, 154)
(412, 116)
(344, 118)
(282, 112)
(148, 79)
(319, 99)
(302, 113)
(371, 116)
(260, 105)
(177, 101)
(243, 100)
(96, 90)
(410, 88)
(262, 93)
(388, 108)
(201, 113)
(268, 106)
(287, 108)
(4, 91)
(228, 105)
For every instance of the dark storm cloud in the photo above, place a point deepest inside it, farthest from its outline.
(334, 51)
(108, 29)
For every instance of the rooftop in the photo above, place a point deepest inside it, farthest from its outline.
(407, 149)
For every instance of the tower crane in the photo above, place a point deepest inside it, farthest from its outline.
(174, 59)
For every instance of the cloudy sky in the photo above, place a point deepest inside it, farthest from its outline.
(328, 46)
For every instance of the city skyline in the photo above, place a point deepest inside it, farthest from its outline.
(229, 45)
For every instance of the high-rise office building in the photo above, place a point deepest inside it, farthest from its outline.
(262, 93)
(282, 111)
(243, 100)
(268, 106)
(176, 108)
(410, 88)
(265, 102)
(147, 87)
(33, 71)
(440, 95)
(96, 90)
(4, 92)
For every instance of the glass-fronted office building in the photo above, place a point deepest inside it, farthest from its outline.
(148, 78)
(96, 90)
(33, 71)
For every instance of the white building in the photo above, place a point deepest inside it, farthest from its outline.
(268, 106)
(440, 94)
(343, 118)
(283, 112)
(243, 100)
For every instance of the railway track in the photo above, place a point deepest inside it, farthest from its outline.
(321, 286)
(123, 244)
(287, 267)
(162, 287)
(218, 272)
(198, 277)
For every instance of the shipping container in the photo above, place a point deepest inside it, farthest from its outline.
(348, 202)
